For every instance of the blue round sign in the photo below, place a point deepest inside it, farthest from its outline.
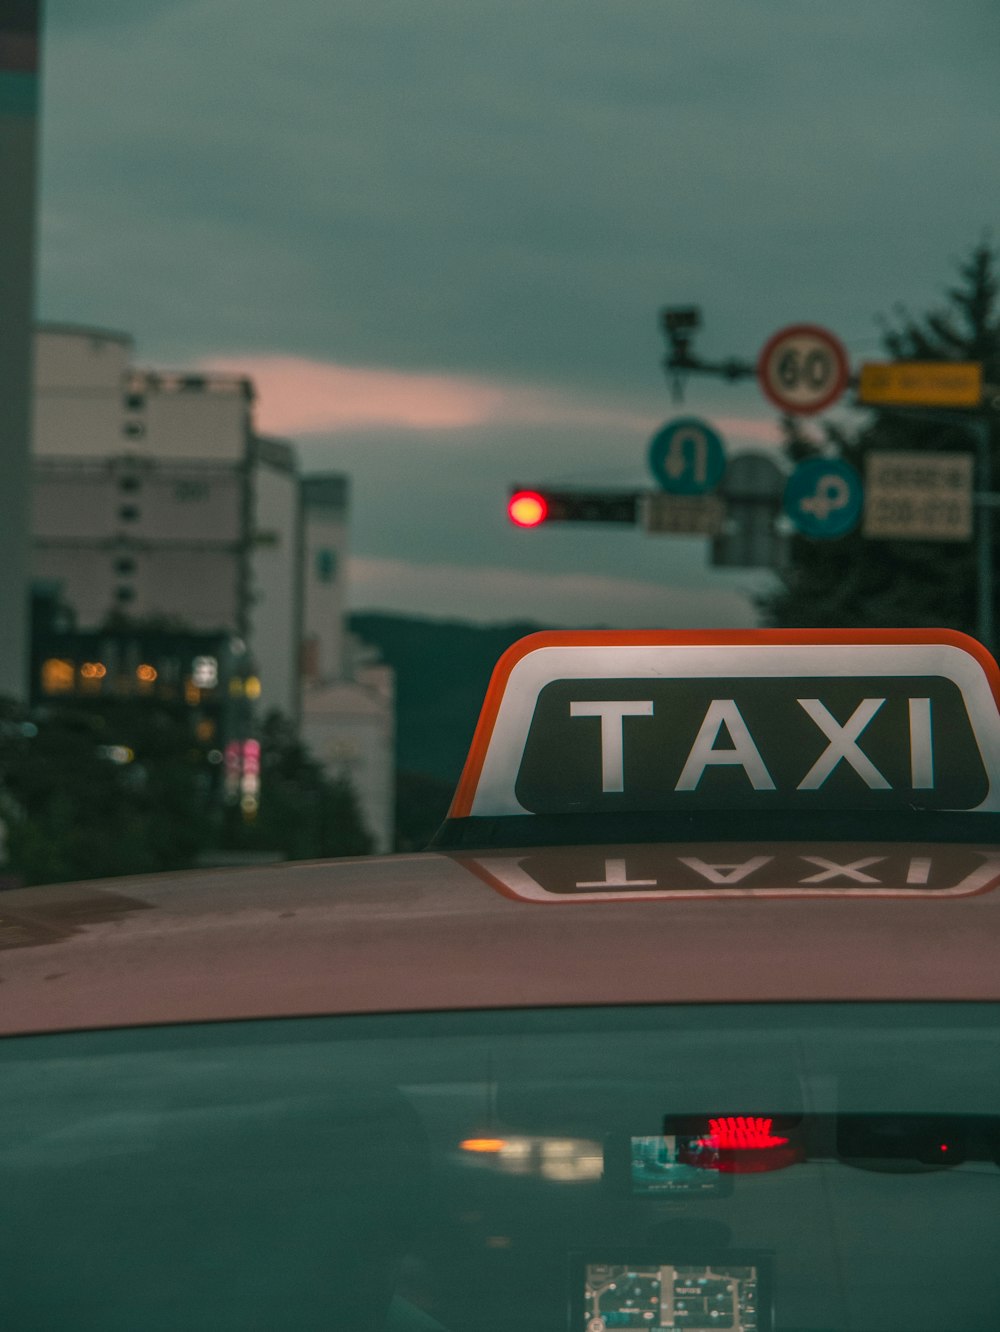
(824, 498)
(687, 457)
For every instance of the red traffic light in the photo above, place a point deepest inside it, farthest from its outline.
(527, 508)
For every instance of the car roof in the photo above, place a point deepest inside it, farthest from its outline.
(444, 932)
(577, 869)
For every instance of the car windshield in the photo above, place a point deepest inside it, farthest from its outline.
(682, 1167)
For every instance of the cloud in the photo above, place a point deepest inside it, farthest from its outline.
(300, 396)
(507, 189)
(490, 594)
(759, 429)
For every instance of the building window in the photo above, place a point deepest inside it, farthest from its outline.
(326, 565)
(190, 490)
(128, 513)
(133, 429)
(134, 402)
(129, 483)
(124, 594)
(58, 676)
(125, 565)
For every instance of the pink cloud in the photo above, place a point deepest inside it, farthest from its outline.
(298, 396)
(761, 429)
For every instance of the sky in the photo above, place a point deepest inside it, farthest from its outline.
(437, 234)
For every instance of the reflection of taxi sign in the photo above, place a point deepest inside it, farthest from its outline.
(888, 870)
(633, 722)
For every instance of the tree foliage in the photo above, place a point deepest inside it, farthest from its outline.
(72, 811)
(70, 808)
(855, 582)
(304, 813)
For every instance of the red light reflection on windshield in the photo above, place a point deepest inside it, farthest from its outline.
(741, 1133)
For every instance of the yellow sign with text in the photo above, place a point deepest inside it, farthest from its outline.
(921, 384)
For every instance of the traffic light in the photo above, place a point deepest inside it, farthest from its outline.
(527, 508)
(532, 508)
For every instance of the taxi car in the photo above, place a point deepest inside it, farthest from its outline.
(690, 1018)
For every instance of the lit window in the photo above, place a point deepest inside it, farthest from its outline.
(205, 672)
(91, 675)
(58, 676)
(251, 686)
(116, 753)
(145, 673)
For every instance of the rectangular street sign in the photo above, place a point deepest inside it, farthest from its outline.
(683, 515)
(918, 496)
(921, 384)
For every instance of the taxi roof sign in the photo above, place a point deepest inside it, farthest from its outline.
(643, 722)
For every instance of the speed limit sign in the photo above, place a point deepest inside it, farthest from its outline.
(803, 368)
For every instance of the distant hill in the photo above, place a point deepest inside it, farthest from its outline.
(442, 670)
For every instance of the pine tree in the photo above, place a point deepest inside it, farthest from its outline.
(856, 582)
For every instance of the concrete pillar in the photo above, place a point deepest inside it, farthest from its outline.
(19, 40)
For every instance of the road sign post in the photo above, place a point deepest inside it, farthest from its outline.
(683, 515)
(979, 428)
(918, 496)
(824, 498)
(921, 384)
(751, 538)
(687, 457)
(802, 369)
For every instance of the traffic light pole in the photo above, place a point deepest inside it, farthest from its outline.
(679, 325)
(979, 428)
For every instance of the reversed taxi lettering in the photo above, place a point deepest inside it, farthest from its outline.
(616, 876)
(558, 874)
(725, 873)
(829, 869)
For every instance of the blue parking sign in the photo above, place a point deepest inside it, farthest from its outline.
(687, 457)
(824, 498)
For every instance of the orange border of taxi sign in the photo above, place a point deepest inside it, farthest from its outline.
(469, 782)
